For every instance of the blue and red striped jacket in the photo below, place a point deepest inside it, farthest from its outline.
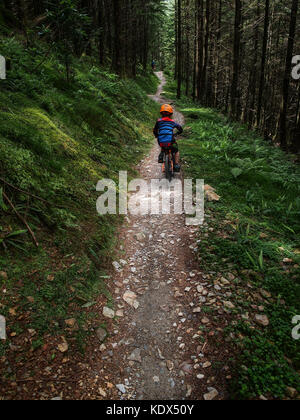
(164, 130)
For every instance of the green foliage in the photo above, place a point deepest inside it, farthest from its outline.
(11, 238)
(265, 370)
(256, 226)
(57, 139)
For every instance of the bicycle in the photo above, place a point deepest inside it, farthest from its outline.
(169, 162)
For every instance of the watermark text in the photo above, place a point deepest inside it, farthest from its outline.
(154, 197)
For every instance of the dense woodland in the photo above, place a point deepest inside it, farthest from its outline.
(235, 56)
(121, 33)
(241, 55)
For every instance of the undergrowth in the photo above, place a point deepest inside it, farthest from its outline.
(255, 232)
(57, 139)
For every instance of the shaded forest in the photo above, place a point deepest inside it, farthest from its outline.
(240, 53)
(235, 56)
(121, 34)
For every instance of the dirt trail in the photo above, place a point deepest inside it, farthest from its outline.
(157, 262)
(158, 98)
(155, 350)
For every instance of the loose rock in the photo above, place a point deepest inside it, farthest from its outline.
(121, 388)
(101, 334)
(108, 313)
(136, 356)
(130, 298)
(212, 394)
(262, 320)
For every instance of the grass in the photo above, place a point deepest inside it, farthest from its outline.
(255, 233)
(56, 141)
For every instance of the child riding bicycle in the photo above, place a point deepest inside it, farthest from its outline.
(164, 132)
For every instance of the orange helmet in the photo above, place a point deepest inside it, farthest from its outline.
(167, 109)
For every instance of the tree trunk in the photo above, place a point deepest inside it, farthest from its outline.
(216, 93)
(287, 75)
(187, 58)
(117, 38)
(101, 35)
(179, 81)
(206, 45)
(263, 62)
(195, 53)
(250, 112)
(176, 41)
(236, 58)
(200, 48)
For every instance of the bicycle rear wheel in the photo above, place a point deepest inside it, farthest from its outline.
(169, 169)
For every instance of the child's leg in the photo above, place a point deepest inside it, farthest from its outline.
(176, 153)
(161, 156)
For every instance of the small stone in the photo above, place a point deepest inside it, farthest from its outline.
(108, 313)
(170, 365)
(262, 320)
(200, 377)
(121, 388)
(130, 297)
(189, 391)
(186, 368)
(160, 354)
(140, 237)
(63, 347)
(135, 356)
(291, 392)
(213, 393)
(101, 334)
(229, 305)
(172, 383)
(120, 313)
(206, 365)
(102, 393)
(117, 266)
(156, 379)
(205, 320)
